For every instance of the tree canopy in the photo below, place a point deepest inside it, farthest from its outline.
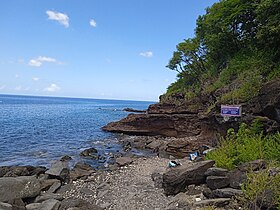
(232, 32)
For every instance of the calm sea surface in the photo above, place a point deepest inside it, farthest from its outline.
(39, 130)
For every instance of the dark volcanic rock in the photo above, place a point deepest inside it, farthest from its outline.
(81, 170)
(176, 180)
(14, 171)
(238, 176)
(216, 182)
(123, 161)
(218, 202)
(216, 172)
(134, 110)
(19, 187)
(60, 170)
(91, 153)
(226, 193)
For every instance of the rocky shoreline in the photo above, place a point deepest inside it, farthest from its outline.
(131, 182)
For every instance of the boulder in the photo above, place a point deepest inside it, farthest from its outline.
(216, 172)
(238, 176)
(216, 182)
(48, 196)
(51, 204)
(90, 153)
(59, 170)
(14, 171)
(177, 179)
(226, 193)
(55, 186)
(6, 206)
(123, 161)
(19, 187)
(81, 170)
(17, 204)
(180, 148)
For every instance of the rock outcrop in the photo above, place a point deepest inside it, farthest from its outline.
(197, 118)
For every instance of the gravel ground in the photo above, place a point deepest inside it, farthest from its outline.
(129, 187)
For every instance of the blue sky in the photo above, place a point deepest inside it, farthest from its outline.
(113, 49)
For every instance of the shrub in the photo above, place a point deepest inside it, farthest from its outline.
(262, 188)
(247, 144)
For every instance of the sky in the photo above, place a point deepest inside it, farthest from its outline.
(104, 49)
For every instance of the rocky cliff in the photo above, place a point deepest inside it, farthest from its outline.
(195, 118)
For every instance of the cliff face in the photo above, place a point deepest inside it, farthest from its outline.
(192, 118)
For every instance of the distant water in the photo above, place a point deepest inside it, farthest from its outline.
(38, 130)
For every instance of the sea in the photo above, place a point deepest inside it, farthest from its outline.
(40, 130)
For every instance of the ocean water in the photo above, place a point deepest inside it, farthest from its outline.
(39, 130)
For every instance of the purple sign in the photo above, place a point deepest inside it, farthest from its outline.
(233, 111)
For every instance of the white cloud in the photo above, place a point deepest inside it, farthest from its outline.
(147, 54)
(35, 78)
(37, 62)
(63, 19)
(52, 88)
(2, 87)
(93, 23)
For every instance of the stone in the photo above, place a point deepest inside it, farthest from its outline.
(226, 193)
(90, 153)
(216, 172)
(14, 171)
(51, 204)
(17, 204)
(6, 206)
(216, 182)
(55, 186)
(78, 203)
(33, 206)
(60, 170)
(48, 196)
(19, 187)
(47, 183)
(177, 179)
(81, 170)
(123, 161)
(158, 179)
(218, 202)
(65, 158)
(180, 201)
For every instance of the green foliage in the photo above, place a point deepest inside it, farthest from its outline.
(246, 145)
(235, 48)
(260, 185)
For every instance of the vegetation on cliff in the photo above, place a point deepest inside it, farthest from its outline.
(234, 51)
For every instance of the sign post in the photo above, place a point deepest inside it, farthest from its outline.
(231, 111)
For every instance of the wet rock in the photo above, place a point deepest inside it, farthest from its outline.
(60, 170)
(218, 202)
(216, 172)
(65, 158)
(134, 110)
(216, 182)
(176, 180)
(14, 171)
(123, 161)
(226, 193)
(90, 153)
(19, 187)
(6, 206)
